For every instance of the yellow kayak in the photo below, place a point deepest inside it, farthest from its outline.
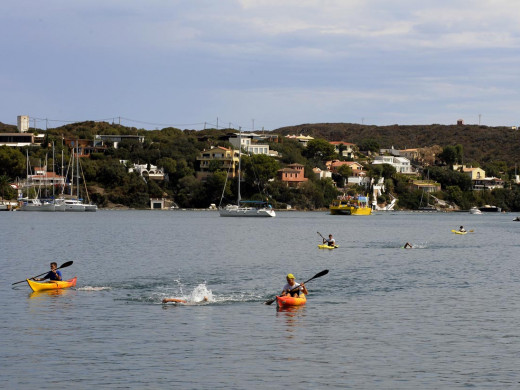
(324, 246)
(51, 284)
(291, 301)
(458, 232)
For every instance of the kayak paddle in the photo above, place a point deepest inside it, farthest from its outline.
(321, 235)
(64, 265)
(318, 275)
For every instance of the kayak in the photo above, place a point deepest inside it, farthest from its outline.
(51, 284)
(291, 301)
(323, 246)
(458, 232)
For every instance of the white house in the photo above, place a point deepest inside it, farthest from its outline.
(401, 164)
(322, 174)
(249, 146)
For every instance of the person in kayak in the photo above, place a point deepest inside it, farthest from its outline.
(330, 241)
(292, 285)
(407, 245)
(54, 273)
(462, 229)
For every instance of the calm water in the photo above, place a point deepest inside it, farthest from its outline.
(445, 314)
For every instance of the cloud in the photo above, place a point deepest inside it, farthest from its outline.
(313, 58)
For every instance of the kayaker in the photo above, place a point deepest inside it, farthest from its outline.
(292, 285)
(462, 230)
(54, 273)
(330, 241)
(408, 245)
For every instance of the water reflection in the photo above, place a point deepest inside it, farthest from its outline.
(47, 293)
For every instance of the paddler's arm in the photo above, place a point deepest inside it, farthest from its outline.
(304, 289)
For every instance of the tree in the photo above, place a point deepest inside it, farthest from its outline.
(258, 169)
(12, 162)
(344, 171)
(452, 154)
(4, 184)
(320, 150)
(369, 144)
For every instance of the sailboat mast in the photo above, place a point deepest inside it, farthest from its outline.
(53, 170)
(71, 162)
(77, 168)
(239, 162)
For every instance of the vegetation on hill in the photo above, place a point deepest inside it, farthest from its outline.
(496, 150)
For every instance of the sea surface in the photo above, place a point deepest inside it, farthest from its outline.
(443, 315)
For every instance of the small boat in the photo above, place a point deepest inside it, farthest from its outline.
(458, 232)
(51, 285)
(325, 246)
(350, 205)
(475, 210)
(291, 301)
(516, 219)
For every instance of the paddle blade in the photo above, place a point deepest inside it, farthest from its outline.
(67, 264)
(270, 301)
(319, 275)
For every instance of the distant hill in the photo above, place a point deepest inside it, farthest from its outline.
(480, 143)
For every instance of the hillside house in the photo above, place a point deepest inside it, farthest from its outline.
(322, 174)
(292, 175)
(345, 149)
(426, 185)
(401, 164)
(249, 144)
(226, 158)
(303, 139)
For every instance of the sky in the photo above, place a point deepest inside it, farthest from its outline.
(260, 64)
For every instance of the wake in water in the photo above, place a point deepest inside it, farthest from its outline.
(198, 295)
(91, 288)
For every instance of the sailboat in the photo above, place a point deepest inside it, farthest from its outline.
(245, 208)
(33, 204)
(74, 204)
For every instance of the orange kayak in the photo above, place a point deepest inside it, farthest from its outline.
(291, 301)
(51, 284)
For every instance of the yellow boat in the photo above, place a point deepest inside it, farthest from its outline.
(350, 205)
(51, 284)
(325, 246)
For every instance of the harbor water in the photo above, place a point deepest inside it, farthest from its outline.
(443, 315)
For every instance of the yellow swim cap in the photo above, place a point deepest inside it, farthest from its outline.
(290, 276)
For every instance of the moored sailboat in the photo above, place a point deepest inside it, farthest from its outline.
(245, 208)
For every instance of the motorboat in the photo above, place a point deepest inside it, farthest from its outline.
(475, 210)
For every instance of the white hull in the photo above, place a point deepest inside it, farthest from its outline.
(36, 205)
(235, 211)
(48, 208)
(91, 207)
(475, 211)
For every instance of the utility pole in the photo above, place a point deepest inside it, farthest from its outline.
(479, 115)
(217, 122)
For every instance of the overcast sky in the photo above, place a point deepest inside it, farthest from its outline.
(263, 63)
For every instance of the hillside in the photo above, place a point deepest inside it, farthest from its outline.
(481, 143)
